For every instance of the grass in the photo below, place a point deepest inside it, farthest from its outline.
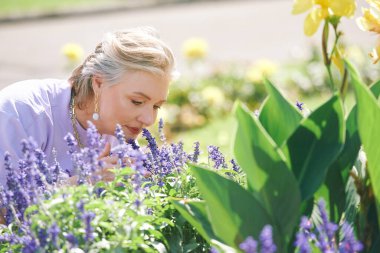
(220, 132)
(9, 7)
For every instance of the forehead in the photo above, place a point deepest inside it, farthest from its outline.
(154, 86)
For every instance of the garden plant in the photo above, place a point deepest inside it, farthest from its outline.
(299, 181)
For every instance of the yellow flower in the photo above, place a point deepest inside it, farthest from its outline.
(375, 54)
(321, 9)
(260, 69)
(195, 48)
(337, 59)
(370, 21)
(73, 52)
(213, 95)
(375, 4)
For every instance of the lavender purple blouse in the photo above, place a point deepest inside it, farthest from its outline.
(37, 108)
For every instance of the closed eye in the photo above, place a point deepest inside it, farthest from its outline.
(156, 107)
(135, 102)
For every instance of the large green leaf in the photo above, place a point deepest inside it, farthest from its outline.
(315, 145)
(279, 117)
(368, 119)
(338, 173)
(194, 211)
(233, 212)
(268, 176)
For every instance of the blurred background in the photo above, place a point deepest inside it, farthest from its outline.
(223, 50)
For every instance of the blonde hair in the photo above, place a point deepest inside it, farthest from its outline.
(137, 49)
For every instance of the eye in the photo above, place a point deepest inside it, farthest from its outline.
(156, 107)
(135, 102)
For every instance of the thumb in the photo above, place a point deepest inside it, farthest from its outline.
(106, 151)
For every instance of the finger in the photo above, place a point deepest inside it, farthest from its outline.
(106, 151)
(110, 160)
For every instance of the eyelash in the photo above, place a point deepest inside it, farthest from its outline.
(156, 107)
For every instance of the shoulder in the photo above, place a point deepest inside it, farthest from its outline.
(33, 94)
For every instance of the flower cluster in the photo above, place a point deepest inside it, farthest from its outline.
(266, 242)
(322, 9)
(35, 182)
(27, 183)
(324, 236)
(370, 21)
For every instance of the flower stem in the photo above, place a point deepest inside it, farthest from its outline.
(326, 57)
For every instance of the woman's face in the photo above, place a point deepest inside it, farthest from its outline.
(133, 102)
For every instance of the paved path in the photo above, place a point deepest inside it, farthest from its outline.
(236, 31)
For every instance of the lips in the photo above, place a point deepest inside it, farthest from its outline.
(134, 130)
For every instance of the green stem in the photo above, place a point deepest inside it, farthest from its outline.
(343, 87)
(326, 57)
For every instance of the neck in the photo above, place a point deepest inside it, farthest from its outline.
(82, 116)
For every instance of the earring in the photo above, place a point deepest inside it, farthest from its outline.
(95, 115)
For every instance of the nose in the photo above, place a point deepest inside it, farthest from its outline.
(147, 117)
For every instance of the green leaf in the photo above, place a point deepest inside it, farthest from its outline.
(233, 212)
(279, 117)
(194, 211)
(338, 173)
(269, 178)
(368, 118)
(315, 145)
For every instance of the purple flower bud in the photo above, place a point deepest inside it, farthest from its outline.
(349, 244)
(266, 240)
(161, 130)
(196, 153)
(71, 239)
(54, 232)
(249, 245)
(299, 105)
(235, 166)
(217, 157)
(152, 145)
(87, 218)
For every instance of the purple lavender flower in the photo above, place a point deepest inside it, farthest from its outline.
(213, 250)
(326, 230)
(71, 142)
(161, 130)
(249, 245)
(152, 145)
(87, 218)
(94, 139)
(71, 239)
(54, 232)
(299, 105)
(349, 244)
(217, 157)
(303, 236)
(30, 244)
(266, 240)
(194, 157)
(133, 143)
(80, 206)
(120, 134)
(235, 166)
(42, 237)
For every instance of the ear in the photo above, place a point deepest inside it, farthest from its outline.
(97, 82)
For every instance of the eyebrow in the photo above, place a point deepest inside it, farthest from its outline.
(146, 96)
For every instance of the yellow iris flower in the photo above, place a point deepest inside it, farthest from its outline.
(370, 21)
(320, 10)
(73, 52)
(195, 48)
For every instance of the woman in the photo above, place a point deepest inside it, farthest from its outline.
(125, 81)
